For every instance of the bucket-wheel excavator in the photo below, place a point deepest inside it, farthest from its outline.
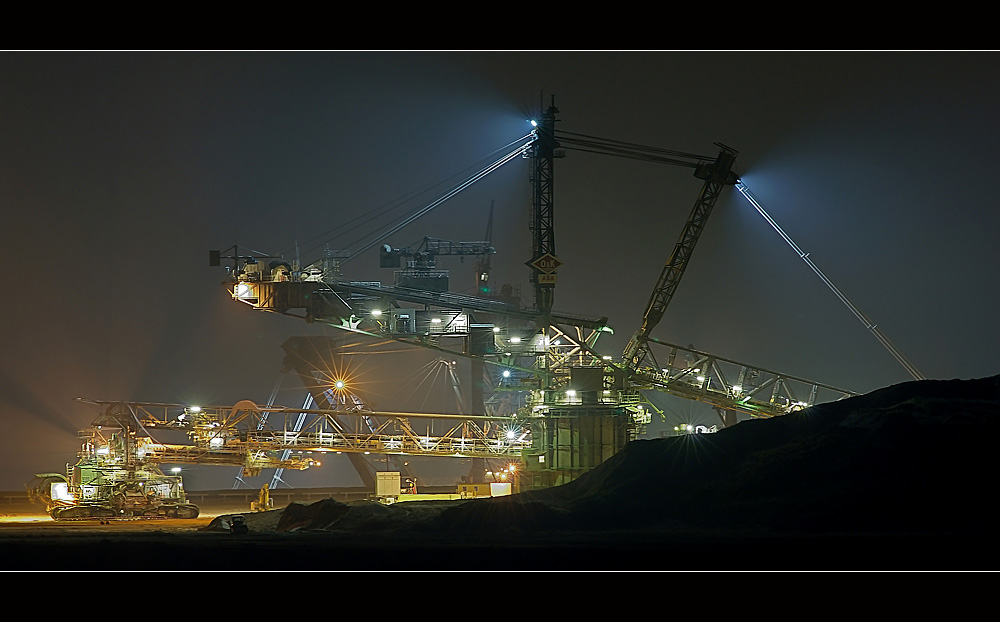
(112, 479)
(582, 407)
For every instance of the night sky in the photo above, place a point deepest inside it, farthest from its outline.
(119, 171)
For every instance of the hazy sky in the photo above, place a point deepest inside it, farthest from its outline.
(119, 171)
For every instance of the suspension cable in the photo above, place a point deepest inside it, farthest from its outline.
(369, 217)
(604, 146)
(379, 237)
(850, 305)
(563, 135)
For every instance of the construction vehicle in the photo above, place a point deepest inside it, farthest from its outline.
(118, 474)
(264, 501)
(112, 478)
(238, 525)
(99, 487)
(561, 386)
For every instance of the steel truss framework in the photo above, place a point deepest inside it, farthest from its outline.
(537, 351)
(731, 385)
(254, 437)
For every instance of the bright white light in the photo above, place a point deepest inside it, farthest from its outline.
(435, 320)
(103, 451)
(339, 384)
(606, 357)
(175, 470)
(60, 491)
(506, 373)
(689, 428)
(533, 123)
(511, 434)
(195, 409)
(701, 378)
(496, 329)
(216, 441)
(571, 393)
(376, 312)
(242, 290)
(515, 340)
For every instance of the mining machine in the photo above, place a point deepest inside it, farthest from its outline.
(729, 386)
(581, 406)
(112, 478)
(118, 472)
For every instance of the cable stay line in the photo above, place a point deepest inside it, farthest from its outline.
(603, 146)
(378, 238)
(367, 218)
(362, 219)
(595, 140)
(909, 367)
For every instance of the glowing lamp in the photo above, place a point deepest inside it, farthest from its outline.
(60, 491)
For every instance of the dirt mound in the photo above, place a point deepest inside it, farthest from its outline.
(913, 457)
(359, 516)
(257, 522)
(319, 515)
(910, 457)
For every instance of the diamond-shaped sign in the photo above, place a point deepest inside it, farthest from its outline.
(546, 264)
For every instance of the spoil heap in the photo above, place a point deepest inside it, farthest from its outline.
(909, 458)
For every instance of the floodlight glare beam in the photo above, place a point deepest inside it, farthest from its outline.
(805, 257)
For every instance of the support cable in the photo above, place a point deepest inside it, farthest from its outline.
(369, 217)
(379, 238)
(913, 371)
(592, 144)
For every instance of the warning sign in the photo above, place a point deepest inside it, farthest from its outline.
(546, 264)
